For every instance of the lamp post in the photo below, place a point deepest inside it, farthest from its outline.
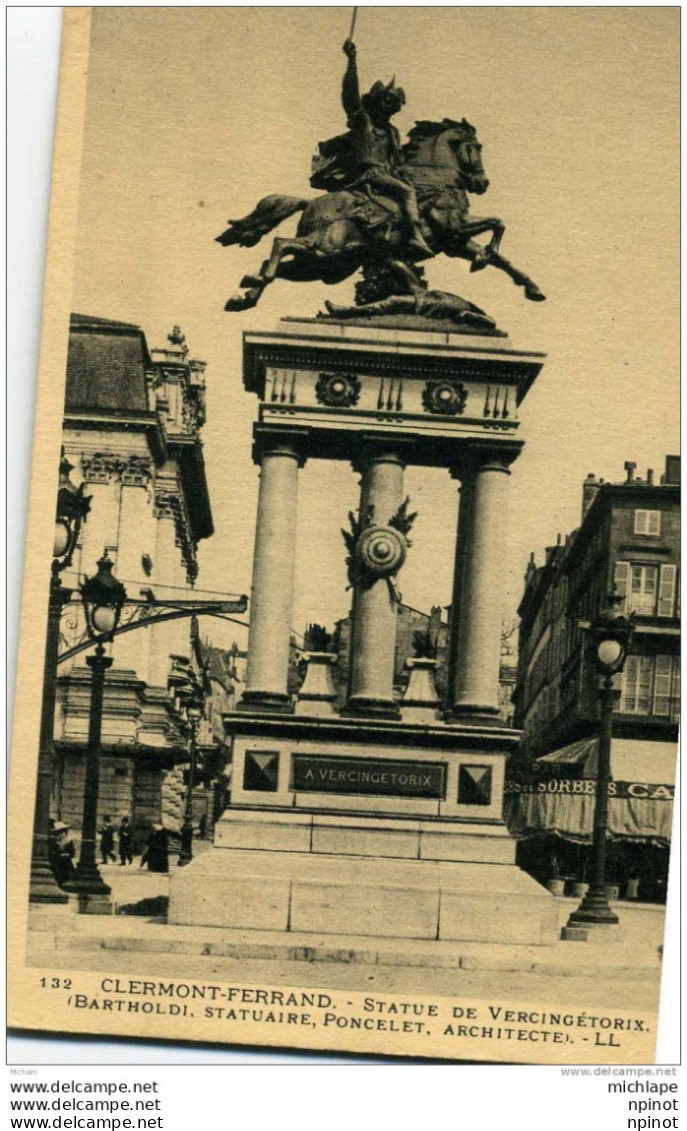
(191, 696)
(72, 509)
(609, 636)
(103, 597)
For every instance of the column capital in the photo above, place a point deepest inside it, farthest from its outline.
(270, 440)
(481, 456)
(381, 449)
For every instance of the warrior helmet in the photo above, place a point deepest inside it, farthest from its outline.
(376, 96)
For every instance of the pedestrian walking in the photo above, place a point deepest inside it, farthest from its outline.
(62, 853)
(125, 843)
(156, 854)
(107, 841)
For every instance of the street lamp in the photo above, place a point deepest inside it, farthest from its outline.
(191, 697)
(71, 512)
(103, 597)
(609, 636)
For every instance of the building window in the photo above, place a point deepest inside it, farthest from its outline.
(651, 686)
(643, 589)
(649, 590)
(648, 522)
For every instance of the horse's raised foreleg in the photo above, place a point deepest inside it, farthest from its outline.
(474, 251)
(474, 226)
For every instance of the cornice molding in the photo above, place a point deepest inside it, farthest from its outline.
(131, 470)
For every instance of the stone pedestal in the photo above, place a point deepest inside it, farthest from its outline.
(94, 904)
(317, 694)
(384, 820)
(335, 894)
(377, 828)
(594, 932)
(420, 702)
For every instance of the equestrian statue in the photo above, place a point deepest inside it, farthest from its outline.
(386, 208)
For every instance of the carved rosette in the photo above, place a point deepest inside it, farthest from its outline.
(446, 398)
(381, 551)
(337, 390)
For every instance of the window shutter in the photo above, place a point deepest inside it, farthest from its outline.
(675, 690)
(621, 578)
(662, 683)
(646, 672)
(666, 593)
(629, 690)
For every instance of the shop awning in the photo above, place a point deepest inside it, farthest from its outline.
(640, 795)
(631, 759)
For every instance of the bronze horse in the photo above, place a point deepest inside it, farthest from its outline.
(343, 231)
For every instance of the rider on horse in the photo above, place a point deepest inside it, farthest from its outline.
(370, 153)
(339, 232)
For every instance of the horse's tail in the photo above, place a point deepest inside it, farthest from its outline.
(267, 214)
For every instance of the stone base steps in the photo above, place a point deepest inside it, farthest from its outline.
(564, 959)
(321, 894)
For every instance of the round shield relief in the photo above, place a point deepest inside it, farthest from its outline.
(382, 550)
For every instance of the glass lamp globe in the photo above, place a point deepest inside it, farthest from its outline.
(61, 539)
(609, 652)
(104, 619)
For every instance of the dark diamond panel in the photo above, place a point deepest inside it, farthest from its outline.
(474, 785)
(261, 771)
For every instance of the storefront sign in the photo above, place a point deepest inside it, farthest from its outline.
(371, 776)
(649, 791)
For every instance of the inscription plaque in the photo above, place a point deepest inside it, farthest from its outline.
(371, 776)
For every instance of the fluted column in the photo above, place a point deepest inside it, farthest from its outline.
(280, 457)
(373, 635)
(477, 606)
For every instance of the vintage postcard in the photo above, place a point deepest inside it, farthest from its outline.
(348, 683)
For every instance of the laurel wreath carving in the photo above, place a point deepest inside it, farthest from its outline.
(447, 398)
(337, 390)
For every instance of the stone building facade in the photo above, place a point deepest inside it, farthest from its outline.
(132, 423)
(629, 537)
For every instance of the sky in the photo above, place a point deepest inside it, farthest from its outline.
(193, 114)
